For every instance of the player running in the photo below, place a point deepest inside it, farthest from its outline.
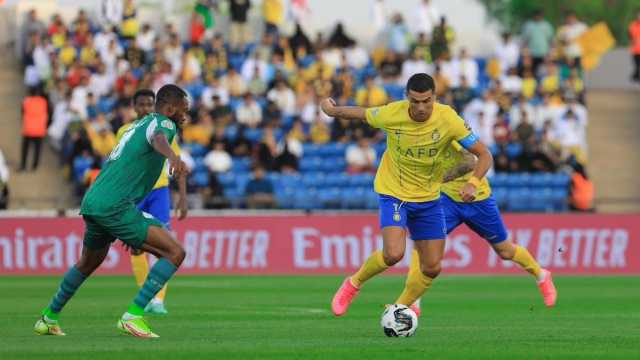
(157, 203)
(109, 213)
(418, 131)
(482, 216)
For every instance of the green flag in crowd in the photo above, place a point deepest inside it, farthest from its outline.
(203, 10)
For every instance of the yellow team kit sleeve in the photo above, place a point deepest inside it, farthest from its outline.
(121, 132)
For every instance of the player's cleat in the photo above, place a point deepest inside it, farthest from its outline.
(156, 308)
(136, 327)
(416, 308)
(47, 327)
(548, 290)
(343, 297)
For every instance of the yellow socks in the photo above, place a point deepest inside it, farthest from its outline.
(373, 266)
(140, 267)
(523, 258)
(417, 283)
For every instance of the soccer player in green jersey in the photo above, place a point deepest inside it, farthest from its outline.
(109, 212)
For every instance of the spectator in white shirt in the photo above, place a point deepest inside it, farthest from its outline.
(218, 160)
(214, 89)
(568, 35)
(570, 132)
(357, 56)
(427, 17)
(100, 83)
(507, 52)
(415, 64)
(515, 113)
(253, 64)
(63, 115)
(112, 11)
(464, 66)
(283, 97)
(102, 39)
(145, 38)
(110, 55)
(79, 98)
(360, 157)
(378, 16)
(249, 112)
(512, 83)
(547, 111)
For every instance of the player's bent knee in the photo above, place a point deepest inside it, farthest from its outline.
(177, 254)
(432, 270)
(392, 257)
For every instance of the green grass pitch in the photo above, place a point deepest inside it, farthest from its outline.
(288, 317)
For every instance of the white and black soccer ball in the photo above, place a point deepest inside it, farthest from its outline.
(399, 321)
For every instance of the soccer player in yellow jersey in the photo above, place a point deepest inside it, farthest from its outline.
(408, 181)
(157, 202)
(482, 216)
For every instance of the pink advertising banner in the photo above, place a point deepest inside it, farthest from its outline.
(331, 244)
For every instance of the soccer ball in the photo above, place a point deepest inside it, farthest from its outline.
(399, 321)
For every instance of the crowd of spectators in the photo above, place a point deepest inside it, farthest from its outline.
(255, 99)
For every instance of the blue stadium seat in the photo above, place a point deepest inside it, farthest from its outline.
(559, 198)
(242, 178)
(542, 200)
(519, 199)
(285, 197)
(337, 179)
(330, 198)
(291, 180)
(560, 180)
(231, 132)
(200, 179)
(372, 201)
(106, 104)
(354, 198)
(197, 150)
(227, 180)
(513, 150)
(333, 165)
(498, 180)
(311, 150)
(80, 166)
(311, 164)
(361, 180)
(199, 165)
(313, 179)
(500, 195)
(305, 199)
(253, 135)
(241, 164)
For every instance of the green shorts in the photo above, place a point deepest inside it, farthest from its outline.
(129, 225)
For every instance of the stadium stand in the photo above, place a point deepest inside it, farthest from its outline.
(259, 100)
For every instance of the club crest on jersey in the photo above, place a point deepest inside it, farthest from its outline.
(396, 213)
(435, 135)
(167, 124)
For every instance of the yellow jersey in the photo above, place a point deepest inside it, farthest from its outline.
(163, 180)
(410, 169)
(451, 157)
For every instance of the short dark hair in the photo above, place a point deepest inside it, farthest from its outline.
(143, 92)
(420, 82)
(170, 94)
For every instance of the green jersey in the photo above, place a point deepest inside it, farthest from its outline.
(131, 170)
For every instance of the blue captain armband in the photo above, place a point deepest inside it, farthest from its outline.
(468, 141)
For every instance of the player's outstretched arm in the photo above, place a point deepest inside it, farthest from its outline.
(160, 144)
(329, 107)
(485, 162)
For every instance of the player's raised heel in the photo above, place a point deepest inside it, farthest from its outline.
(344, 297)
(136, 327)
(156, 308)
(548, 289)
(42, 327)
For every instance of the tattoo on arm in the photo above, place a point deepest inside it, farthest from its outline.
(462, 168)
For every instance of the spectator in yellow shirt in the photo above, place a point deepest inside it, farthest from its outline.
(101, 137)
(551, 82)
(273, 12)
(67, 53)
(529, 85)
(320, 132)
(371, 94)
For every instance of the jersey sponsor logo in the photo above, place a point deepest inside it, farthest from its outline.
(167, 124)
(375, 112)
(435, 135)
